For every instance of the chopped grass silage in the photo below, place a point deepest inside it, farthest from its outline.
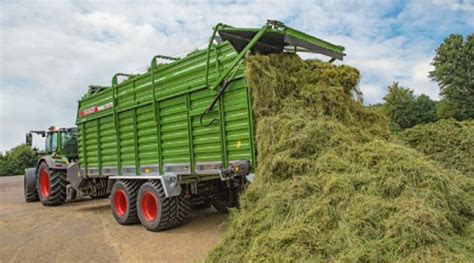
(330, 187)
(449, 142)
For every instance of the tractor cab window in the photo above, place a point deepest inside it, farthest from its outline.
(54, 142)
(66, 136)
(47, 143)
(69, 144)
(51, 142)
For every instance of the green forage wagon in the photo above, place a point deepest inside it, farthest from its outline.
(180, 135)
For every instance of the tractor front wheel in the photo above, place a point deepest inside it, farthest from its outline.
(29, 186)
(51, 184)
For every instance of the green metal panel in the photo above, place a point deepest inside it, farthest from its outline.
(174, 131)
(99, 153)
(127, 138)
(82, 145)
(146, 136)
(206, 139)
(151, 123)
(236, 109)
(91, 147)
(108, 143)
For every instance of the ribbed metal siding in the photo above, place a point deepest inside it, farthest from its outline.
(237, 134)
(174, 131)
(185, 145)
(108, 143)
(206, 139)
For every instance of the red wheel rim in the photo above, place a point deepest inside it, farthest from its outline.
(120, 203)
(149, 207)
(44, 183)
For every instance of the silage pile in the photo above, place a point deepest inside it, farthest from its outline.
(448, 142)
(330, 187)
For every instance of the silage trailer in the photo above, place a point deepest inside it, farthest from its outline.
(181, 134)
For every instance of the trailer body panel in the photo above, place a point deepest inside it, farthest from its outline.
(151, 124)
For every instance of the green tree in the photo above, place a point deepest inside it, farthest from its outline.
(405, 110)
(17, 159)
(454, 72)
(425, 109)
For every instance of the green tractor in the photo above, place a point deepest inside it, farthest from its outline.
(48, 181)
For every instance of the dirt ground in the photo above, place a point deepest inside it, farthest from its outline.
(85, 231)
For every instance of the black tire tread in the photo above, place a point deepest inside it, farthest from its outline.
(57, 183)
(30, 195)
(174, 210)
(132, 187)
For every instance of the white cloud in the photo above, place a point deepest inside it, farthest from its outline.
(50, 51)
(420, 81)
(372, 92)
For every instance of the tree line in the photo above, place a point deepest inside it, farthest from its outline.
(17, 159)
(454, 73)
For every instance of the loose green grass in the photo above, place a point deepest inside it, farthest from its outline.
(330, 186)
(449, 142)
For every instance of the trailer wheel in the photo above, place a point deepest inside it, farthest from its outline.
(123, 200)
(51, 185)
(230, 199)
(29, 186)
(158, 212)
(220, 206)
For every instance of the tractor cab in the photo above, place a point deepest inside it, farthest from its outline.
(59, 141)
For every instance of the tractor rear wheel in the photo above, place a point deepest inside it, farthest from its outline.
(158, 212)
(29, 187)
(51, 185)
(123, 200)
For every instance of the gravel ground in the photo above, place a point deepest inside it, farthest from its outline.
(85, 231)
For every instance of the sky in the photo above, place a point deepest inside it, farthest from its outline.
(50, 51)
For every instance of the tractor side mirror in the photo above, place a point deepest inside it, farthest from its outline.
(29, 139)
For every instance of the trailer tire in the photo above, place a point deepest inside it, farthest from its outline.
(229, 200)
(51, 185)
(220, 206)
(158, 212)
(29, 187)
(123, 201)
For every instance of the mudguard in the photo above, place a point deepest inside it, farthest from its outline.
(74, 176)
(52, 163)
